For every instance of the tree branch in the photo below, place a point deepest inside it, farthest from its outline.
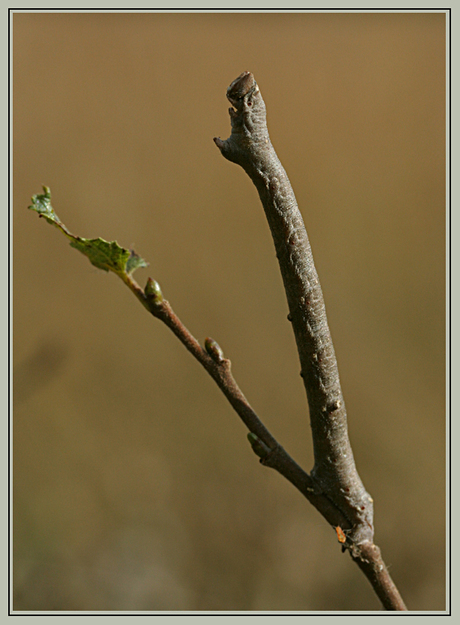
(334, 486)
(334, 473)
(271, 453)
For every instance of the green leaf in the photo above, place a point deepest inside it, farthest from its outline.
(42, 204)
(135, 262)
(106, 255)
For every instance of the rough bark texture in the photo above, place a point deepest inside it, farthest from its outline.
(249, 145)
(334, 475)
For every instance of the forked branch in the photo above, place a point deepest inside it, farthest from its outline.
(211, 357)
(334, 486)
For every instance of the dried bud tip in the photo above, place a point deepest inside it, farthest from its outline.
(242, 86)
(153, 292)
(214, 350)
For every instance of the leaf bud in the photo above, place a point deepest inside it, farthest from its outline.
(258, 446)
(153, 292)
(214, 350)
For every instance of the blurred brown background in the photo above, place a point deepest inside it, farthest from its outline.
(134, 485)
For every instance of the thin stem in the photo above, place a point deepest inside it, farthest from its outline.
(271, 453)
(370, 562)
(265, 445)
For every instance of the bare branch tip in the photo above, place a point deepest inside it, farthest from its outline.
(242, 86)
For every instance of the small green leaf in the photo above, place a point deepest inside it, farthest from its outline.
(135, 262)
(42, 204)
(106, 255)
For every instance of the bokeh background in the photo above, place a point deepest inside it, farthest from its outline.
(134, 485)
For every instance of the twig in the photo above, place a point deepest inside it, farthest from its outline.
(334, 486)
(334, 474)
(271, 453)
